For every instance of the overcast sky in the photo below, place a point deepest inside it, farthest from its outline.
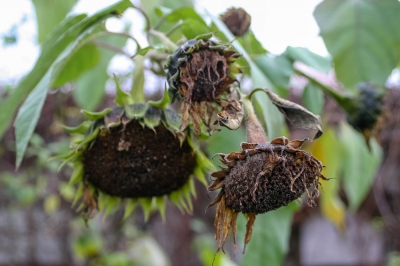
(277, 24)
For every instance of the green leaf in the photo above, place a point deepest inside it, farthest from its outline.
(313, 98)
(172, 118)
(27, 117)
(39, 80)
(183, 14)
(192, 28)
(77, 173)
(121, 98)
(309, 58)
(58, 40)
(90, 87)
(252, 45)
(362, 36)
(49, 14)
(359, 164)
(81, 61)
(278, 69)
(270, 238)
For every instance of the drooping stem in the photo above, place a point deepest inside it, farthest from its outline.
(254, 129)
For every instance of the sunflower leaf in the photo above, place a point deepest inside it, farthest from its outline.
(77, 174)
(298, 116)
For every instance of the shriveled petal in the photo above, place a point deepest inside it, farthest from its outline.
(251, 217)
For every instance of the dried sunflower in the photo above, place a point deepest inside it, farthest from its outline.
(263, 176)
(237, 20)
(200, 72)
(131, 153)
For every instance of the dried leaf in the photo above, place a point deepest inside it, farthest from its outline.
(231, 115)
(298, 116)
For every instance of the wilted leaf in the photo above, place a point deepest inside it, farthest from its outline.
(231, 115)
(362, 36)
(298, 116)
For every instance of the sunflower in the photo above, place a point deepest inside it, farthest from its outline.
(261, 177)
(237, 20)
(131, 153)
(200, 73)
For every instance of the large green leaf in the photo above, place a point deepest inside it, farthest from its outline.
(47, 68)
(363, 36)
(270, 239)
(84, 59)
(359, 164)
(58, 40)
(278, 69)
(50, 13)
(313, 98)
(309, 58)
(90, 87)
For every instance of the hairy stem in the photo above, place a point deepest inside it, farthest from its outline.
(254, 129)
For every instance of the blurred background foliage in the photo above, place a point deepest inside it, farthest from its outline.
(71, 73)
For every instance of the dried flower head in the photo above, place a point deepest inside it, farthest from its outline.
(237, 20)
(200, 72)
(260, 178)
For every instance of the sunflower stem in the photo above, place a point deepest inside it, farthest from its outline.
(254, 129)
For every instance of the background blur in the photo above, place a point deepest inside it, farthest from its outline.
(357, 221)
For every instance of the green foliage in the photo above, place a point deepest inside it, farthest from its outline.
(48, 20)
(273, 228)
(359, 165)
(363, 38)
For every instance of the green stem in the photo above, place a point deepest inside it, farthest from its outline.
(164, 39)
(254, 129)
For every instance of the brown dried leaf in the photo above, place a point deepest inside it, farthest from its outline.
(298, 116)
(231, 115)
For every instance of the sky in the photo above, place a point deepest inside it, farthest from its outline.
(277, 24)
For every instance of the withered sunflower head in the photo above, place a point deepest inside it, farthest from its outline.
(132, 153)
(237, 20)
(369, 108)
(260, 178)
(200, 72)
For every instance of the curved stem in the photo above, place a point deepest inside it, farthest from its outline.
(254, 129)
